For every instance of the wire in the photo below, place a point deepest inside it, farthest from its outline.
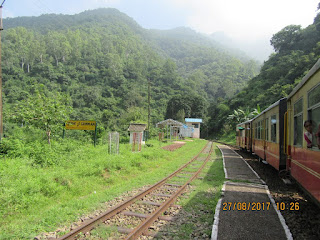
(2, 3)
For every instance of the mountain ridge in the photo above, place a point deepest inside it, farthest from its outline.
(103, 60)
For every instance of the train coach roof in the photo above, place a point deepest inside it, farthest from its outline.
(244, 122)
(312, 71)
(270, 107)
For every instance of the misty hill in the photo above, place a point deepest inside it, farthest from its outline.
(296, 51)
(259, 49)
(104, 60)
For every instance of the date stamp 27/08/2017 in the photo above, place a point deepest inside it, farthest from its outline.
(258, 206)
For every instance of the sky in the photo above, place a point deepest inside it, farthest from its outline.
(244, 20)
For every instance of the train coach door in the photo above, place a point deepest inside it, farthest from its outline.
(264, 127)
(266, 133)
(247, 127)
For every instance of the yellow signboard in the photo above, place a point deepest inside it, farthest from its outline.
(80, 125)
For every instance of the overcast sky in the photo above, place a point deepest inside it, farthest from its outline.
(240, 19)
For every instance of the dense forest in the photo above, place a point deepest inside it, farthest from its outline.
(296, 51)
(97, 65)
(101, 65)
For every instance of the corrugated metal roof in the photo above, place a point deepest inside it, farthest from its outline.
(195, 120)
(137, 127)
(169, 122)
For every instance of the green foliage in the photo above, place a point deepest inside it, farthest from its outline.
(187, 105)
(104, 61)
(42, 110)
(286, 38)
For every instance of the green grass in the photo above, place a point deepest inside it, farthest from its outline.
(102, 231)
(55, 185)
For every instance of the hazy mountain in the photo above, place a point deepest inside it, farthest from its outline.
(259, 49)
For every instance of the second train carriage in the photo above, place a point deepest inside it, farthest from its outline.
(277, 134)
(268, 136)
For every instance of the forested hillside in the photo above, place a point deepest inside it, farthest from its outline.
(296, 51)
(97, 65)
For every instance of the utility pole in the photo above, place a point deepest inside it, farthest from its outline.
(1, 109)
(149, 110)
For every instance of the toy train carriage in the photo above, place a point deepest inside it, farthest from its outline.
(243, 131)
(304, 104)
(268, 135)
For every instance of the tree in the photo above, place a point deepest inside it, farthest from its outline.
(42, 110)
(191, 104)
(286, 38)
(58, 46)
(180, 115)
(256, 111)
(134, 115)
(240, 115)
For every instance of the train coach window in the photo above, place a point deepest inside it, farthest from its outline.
(274, 128)
(314, 96)
(298, 123)
(259, 130)
(314, 112)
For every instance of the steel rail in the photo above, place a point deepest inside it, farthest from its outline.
(139, 230)
(90, 224)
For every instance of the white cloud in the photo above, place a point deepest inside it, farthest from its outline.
(245, 18)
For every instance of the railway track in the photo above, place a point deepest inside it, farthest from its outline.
(134, 217)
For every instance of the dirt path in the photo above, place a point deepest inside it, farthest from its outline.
(174, 146)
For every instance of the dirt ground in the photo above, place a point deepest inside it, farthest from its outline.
(303, 223)
(174, 146)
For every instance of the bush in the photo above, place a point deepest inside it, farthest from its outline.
(5, 147)
(124, 139)
(12, 147)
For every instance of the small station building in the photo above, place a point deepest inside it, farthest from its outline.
(195, 123)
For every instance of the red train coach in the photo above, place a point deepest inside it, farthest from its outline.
(304, 143)
(287, 134)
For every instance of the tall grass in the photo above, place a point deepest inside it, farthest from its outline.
(228, 138)
(42, 186)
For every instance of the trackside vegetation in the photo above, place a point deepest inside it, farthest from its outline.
(45, 186)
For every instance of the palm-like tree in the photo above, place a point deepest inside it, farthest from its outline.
(240, 115)
(256, 111)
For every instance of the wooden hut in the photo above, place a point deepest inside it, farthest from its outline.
(136, 133)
